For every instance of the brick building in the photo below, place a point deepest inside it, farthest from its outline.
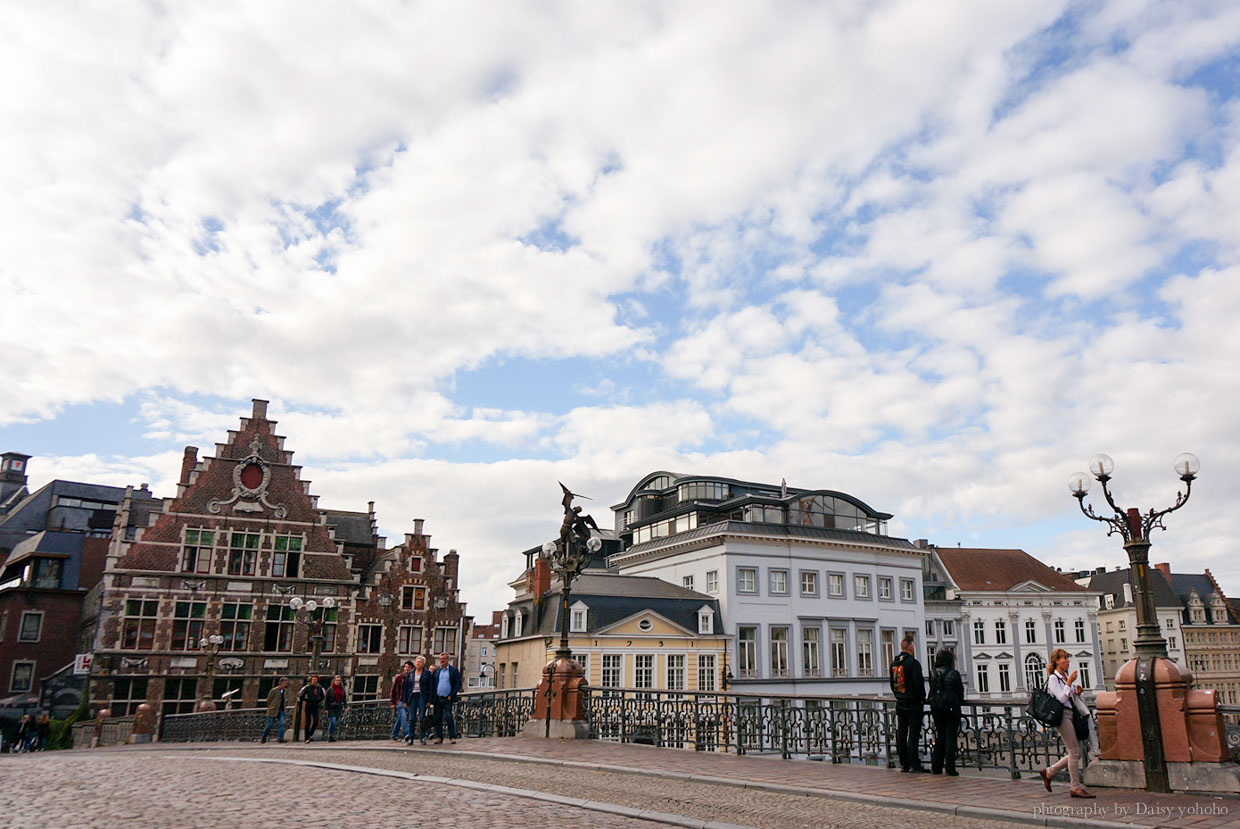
(227, 557)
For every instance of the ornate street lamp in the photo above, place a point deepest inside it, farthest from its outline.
(568, 557)
(1134, 528)
(210, 647)
(313, 624)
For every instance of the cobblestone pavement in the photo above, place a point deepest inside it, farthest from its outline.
(132, 790)
(732, 804)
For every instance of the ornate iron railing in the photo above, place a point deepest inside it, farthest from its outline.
(1231, 724)
(484, 714)
(838, 729)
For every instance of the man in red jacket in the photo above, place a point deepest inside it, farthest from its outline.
(400, 724)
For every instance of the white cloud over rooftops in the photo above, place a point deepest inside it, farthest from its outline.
(933, 254)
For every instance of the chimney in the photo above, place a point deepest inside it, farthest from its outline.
(12, 473)
(260, 409)
(417, 525)
(542, 578)
(922, 543)
(1165, 569)
(188, 462)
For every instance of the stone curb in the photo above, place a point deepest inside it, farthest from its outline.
(545, 797)
(980, 812)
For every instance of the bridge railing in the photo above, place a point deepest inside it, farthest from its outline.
(483, 714)
(837, 729)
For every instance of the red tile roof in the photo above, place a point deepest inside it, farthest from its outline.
(978, 569)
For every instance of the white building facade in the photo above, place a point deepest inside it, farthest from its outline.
(813, 593)
(1008, 612)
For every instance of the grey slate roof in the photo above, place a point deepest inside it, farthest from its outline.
(612, 598)
(351, 527)
(1185, 583)
(1113, 581)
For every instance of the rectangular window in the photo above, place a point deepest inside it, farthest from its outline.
(906, 590)
(21, 680)
(180, 694)
(929, 627)
(328, 616)
(409, 640)
(712, 581)
(779, 651)
(369, 638)
(32, 626)
(1000, 632)
(1171, 644)
(196, 551)
(706, 672)
(888, 640)
(809, 582)
(861, 587)
(1080, 630)
(365, 688)
(643, 670)
(675, 672)
(128, 692)
(884, 587)
(1059, 631)
(187, 625)
(706, 622)
(1031, 632)
(408, 596)
(810, 658)
(865, 652)
(979, 632)
(286, 557)
(1005, 677)
(746, 580)
(138, 629)
(779, 582)
(613, 670)
(47, 573)
(687, 582)
(1082, 677)
(983, 679)
(242, 553)
(835, 584)
(235, 625)
(279, 632)
(445, 640)
(747, 651)
(579, 621)
(839, 652)
(949, 627)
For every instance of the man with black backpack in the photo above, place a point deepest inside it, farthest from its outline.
(909, 687)
(946, 697)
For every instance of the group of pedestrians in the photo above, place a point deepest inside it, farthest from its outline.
(32, 734)
(421, 699)
(946, 698)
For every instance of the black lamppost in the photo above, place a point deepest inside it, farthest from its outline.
(314, 624)
(568, 557)
(210, 647)
(1134, 528)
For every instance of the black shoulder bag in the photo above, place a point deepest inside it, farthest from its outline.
(1045, 708)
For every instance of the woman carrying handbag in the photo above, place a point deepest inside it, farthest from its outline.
(1061, 685)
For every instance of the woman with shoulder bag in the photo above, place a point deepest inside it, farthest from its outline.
(946, 697)
(1061, 685)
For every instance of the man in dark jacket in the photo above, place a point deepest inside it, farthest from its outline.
(909, 687)
(311, 698)
(946, 697)
(447, 686)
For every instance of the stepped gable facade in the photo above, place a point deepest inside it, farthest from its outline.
(225, 557)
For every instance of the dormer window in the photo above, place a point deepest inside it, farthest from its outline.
(706, 620)
(578, 616)
(503, 626)
(518, 623)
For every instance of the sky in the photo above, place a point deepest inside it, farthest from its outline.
(934, 255)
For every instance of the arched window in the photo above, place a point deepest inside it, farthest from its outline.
(1035, 671)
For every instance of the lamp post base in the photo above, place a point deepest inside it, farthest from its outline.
(1211, 778)
(559, 707)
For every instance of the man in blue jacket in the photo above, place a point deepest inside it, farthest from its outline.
(447, 682)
